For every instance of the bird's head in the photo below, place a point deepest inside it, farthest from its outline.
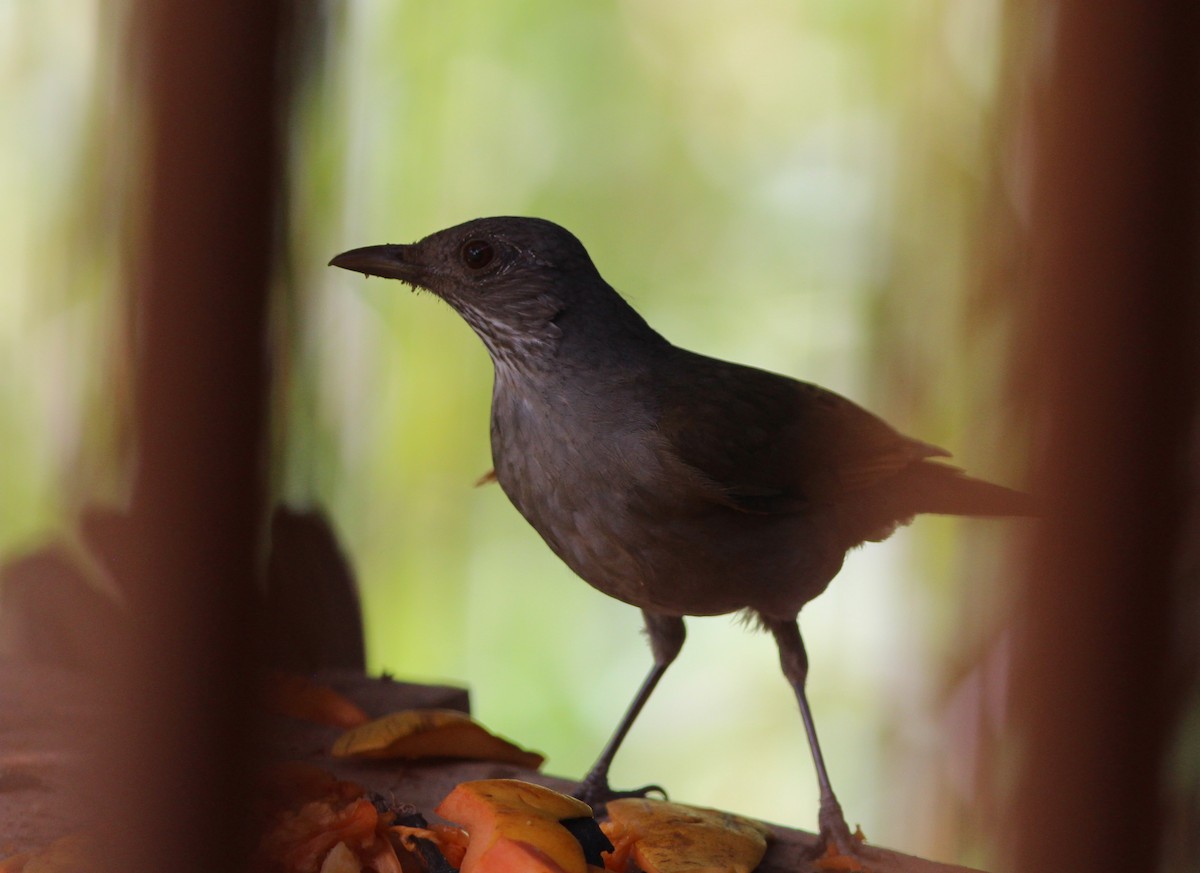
(509, 278)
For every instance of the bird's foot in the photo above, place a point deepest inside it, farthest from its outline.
(839, 847)
(595, 791)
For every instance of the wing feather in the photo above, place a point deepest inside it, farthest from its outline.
(795, 445)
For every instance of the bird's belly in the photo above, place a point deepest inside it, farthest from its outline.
(633, 541)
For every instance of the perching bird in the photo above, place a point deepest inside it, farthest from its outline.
(675, 482)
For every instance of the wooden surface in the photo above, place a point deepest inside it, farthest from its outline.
(45, 713)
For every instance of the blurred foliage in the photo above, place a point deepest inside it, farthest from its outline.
(828, 189)
(65, 174)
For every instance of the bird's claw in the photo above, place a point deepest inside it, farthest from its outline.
(644, 791)
(836, 837)
(596, 793)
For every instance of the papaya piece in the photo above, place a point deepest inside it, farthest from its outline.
(430, 733)
(514, 827)
(299, 697)
(663, 837)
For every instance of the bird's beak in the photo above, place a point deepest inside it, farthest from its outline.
(388, 262)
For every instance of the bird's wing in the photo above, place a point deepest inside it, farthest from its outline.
(768, 444)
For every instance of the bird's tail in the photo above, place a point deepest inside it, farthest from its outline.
(945, 490)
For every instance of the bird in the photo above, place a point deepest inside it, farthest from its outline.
(681, 484)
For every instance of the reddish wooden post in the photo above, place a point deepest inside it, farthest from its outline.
(1115, 267)
(209, 80)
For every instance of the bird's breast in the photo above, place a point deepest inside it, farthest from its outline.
(593, 478)
(571, 477)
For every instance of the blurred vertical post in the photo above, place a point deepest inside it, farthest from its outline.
(207, 76)
(1115, 212)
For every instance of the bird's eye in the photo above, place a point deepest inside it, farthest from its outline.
(477, 253)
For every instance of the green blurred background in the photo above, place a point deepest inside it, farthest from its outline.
(832, 190)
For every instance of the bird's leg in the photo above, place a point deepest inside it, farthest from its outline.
(794, 660)
(666, 633)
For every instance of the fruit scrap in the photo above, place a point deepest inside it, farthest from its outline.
(431, 733)
(450, 842)
(663, 837)
(291, 784)
(300, 841)
(313, 822)
(515, 827)
(68, 854)
(341, 860)
(834, 861)
(299, 697)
